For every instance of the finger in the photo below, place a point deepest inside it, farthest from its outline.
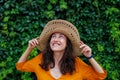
(36, 41)
(31, 43)
(81, 42)
(82, 46)
(87, 50)
(84, 50)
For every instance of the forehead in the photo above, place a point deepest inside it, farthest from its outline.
(58, 33)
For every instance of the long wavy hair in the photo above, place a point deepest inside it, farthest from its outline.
(67, 62)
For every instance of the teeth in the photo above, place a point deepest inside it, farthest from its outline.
(55, 44)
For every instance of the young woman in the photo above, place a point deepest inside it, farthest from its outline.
(60, 45)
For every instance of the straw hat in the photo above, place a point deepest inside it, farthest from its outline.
(63, 27)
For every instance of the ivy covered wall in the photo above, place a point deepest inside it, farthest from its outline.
(98, 22)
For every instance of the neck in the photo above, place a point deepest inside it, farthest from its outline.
(58, 56)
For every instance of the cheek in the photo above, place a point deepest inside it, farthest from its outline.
(64, 42)
(50, 43)
(51, 40)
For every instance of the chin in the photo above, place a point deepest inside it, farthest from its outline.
(57, 50)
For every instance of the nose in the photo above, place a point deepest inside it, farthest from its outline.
(56, 39)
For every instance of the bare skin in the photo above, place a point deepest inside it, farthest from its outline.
(31, 45)
(86, 50)
(57, 43)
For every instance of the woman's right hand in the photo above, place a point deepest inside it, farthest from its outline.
(32, 43)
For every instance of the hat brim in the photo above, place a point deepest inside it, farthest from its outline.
(47, 32)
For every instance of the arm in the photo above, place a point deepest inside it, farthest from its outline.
(96, 66)
(31, 45)
(86, 50)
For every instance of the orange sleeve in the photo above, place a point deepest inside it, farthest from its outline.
(88, 72)
(30, 65)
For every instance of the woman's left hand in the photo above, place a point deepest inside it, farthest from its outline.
(85, 49)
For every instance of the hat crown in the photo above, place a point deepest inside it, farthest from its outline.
(64, 23)
(62, 26)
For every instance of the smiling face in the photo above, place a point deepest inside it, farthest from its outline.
(58, 42)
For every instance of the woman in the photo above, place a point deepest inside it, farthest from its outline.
(60, 45)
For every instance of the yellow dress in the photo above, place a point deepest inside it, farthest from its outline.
(83, 71)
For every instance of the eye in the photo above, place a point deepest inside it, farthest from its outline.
(62, 36)
(53, 36)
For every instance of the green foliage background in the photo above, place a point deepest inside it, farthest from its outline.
(98, 22)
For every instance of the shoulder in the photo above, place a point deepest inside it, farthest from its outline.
(36, 58)
(39, 56)
(78, 59)
(80, 62)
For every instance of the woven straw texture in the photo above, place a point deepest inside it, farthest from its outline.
(63, 27)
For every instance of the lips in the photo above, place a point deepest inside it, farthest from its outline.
(56, 44)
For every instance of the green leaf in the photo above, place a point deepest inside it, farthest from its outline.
(12, 34)
(63, 4)
(95, 3)
(2, 64)
(100, 47)
(53, 1)
(6, 18)
(9, 59)
(7, 12)
(49, 6)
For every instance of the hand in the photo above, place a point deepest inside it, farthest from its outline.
(85, 50)
(32, 43)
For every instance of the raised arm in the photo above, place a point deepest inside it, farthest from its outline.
(87, 52)
(31, 45)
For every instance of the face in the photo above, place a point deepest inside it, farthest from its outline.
(58, 42)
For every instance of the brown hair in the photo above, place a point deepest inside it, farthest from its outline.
(67, 62)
